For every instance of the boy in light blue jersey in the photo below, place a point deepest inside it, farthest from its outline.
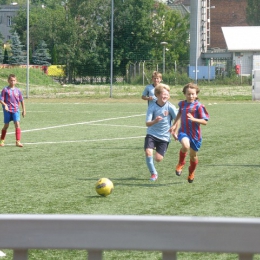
(148, 93)
(159, 117)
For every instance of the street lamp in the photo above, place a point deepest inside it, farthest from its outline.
(164, 47)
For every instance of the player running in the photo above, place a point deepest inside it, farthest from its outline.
(159, 117)
(192, 114)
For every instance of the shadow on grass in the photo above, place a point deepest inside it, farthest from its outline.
(232, 165)
(126, 182)
(113, 179)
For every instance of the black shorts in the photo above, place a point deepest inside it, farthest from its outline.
(159, 145)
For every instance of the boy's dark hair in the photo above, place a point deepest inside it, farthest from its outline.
(191, 86)
(11, 76)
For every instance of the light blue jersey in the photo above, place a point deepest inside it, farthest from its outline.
(161, 130)
(149, 92)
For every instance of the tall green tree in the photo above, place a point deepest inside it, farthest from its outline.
(80, 32)
(44, 24)
(1, 49)
(1, 54)
(4, 2)
(253, 12)
(41, 55)
(6, 57)
(54, 56)
(132, 32)
(84, 49)
(169, 26)
(18, 55)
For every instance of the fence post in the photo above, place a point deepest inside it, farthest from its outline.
(20, 254)
(245, 257)
(169, 256)
(94, 255)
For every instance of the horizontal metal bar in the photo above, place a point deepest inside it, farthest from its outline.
(155, 233)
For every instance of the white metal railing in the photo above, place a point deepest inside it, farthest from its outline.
(96, 233)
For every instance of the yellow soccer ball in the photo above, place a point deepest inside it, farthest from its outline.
(104, 187)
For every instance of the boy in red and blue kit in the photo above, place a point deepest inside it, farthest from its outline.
(10, 98)
(192, 114)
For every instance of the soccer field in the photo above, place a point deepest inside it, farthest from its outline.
(68, 146)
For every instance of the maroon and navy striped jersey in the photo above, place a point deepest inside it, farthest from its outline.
(192, 129)
(12, 97)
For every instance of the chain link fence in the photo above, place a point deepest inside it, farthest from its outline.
(136, 73)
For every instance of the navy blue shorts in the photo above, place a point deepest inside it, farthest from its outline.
(159, 145)
(194, 144)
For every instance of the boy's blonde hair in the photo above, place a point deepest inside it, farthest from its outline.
(159, 88)
(157, 74)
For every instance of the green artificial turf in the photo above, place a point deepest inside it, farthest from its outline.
(68, 146)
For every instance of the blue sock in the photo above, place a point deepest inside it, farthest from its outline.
(150, 164)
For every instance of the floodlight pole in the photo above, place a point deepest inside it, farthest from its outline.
(112, 47)
(28, 50)
(164, 47)
(197, 44)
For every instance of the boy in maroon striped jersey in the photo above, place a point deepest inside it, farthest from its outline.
(10, 98)
(192, 114)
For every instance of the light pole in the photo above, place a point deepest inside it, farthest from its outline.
(164, 47)
(112, 48)
(28, 50)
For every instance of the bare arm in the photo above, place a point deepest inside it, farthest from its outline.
(153, 122)
(176, 122)
(23, 107)
(150, 98)
(197, 120)
(147, 98)
(175, 126)
(4, 104)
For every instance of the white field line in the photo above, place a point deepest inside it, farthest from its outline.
(84, 123)
(134, 126)
(84, 141)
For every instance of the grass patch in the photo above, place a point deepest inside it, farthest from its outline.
(70, 143)
(43, 86)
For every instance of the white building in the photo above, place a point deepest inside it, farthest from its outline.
(244, 43)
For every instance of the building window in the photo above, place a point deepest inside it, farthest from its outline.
(9, 20)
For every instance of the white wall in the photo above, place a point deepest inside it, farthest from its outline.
(245, 59)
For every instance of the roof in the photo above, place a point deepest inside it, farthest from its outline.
(242, 38)
(180, 8)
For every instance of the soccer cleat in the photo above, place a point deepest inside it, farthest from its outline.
(18, 144)
(154, 177)
(178, 169)
(191, 177)
(2, 143)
